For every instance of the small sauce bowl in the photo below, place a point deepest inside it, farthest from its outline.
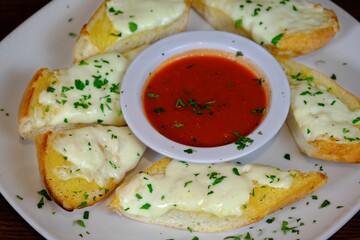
(249, 54)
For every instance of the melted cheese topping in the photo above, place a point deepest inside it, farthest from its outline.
(131, 16)
(87, 92)
(98, 153)
(266, 19)
(220, 189)
(321, 115)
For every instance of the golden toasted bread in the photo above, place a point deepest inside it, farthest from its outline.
(83, 166)
(324, 118)
(203, 198)
(288, 28)
(124, 25)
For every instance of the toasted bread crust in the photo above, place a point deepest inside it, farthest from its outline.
(302, 43)
(263, 202)
(325, 149)
(24, 106)
(290, 45)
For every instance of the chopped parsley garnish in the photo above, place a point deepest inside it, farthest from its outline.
(218, 180)
(238, 237)
(243, 142)
(116, 34)
(83, 204)
(238, 53)
(258, 110)
(273, 178)
(80, 222)
(277, 38)
(179, 103)
(133, 26)
(113, 165)
(83, 62)
(150, 187)
(41, 203)
(115, 12)
(285, 228)
(236, 171)
(178, 125)
(44, 194)
(189, 151)
(356, 120)
(270, 220)
(238, 23)
(86, 215)
(326, 203)
(79, 84)
(159, 110)
(50, 89)
(187, 183)
(299, 78)
(145, 206)
(152, 95)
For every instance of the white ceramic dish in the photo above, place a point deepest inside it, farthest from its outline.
(44, 40)
(137, 74)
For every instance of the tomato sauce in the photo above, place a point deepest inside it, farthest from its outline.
(204, 100)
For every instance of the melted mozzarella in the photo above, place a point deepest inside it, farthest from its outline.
(216, 188)
(86, 92)
(266, 19)
(144, 14)
(321, 115)
(98, 153)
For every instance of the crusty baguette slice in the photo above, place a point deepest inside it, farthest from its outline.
(124, 25)
(262, 198)
(84, 94)
(288, 28)
(324, 118)
(83, 166)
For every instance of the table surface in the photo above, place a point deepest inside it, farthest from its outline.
(12, 225)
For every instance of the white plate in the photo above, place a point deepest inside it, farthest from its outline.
(44, 40)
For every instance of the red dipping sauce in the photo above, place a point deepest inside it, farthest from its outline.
(205, 98)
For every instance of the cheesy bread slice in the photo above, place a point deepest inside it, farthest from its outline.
(324, 118)
(85, 93)
(80, 167)
(210, 197)
(286, 28)
(121, 26)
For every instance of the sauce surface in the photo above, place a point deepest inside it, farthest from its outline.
(204, 100)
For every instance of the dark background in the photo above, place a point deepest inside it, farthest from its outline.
(12, 226)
